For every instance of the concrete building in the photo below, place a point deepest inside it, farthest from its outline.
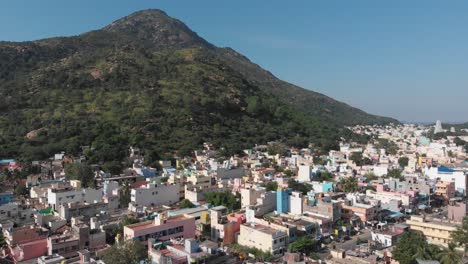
(322, 187)
(445, 191)
(263, 237)
(296, 203)
(162, 228)
(437, 232)
(282, 200)
(389, 236)
(459, 176)
(154, 195)
(457, 211)
(87, 210)
(57, 196)
(305, 173)
(325, 207)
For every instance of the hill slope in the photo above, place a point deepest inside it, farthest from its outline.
(148, 80)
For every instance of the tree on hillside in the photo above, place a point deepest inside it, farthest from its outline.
(125, 252)
(80, 171)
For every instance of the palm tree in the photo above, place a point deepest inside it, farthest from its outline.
(449, 255)
(422, 253)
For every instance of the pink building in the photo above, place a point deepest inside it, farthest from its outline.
(14, 236)
(28, 250)
(162, 228)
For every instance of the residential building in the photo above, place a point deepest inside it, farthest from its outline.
(445, 191)
(162, 228)
(437, 232)
(263, 237)
(282, 200)
(154, 195)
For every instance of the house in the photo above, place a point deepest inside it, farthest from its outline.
(162, 228)
(263, 237)
(154, 195)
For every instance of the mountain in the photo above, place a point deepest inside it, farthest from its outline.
(148, 80)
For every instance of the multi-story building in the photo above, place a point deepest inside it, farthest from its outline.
(263, 237)
(162, 228)
(154, 195)
(445, 191)
(437, 232)
(58, 196)
(282, 200)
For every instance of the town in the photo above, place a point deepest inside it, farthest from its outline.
(391, 194)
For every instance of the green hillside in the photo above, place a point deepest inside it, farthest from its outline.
(148, 80)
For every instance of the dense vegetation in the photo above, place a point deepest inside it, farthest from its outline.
(148, 81)
(413, 246)
(226, 198)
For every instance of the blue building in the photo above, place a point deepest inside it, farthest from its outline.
(6, 197)
(282, 200)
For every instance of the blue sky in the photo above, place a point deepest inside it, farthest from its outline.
(405, 59)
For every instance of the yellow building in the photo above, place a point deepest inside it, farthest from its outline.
(436, 231)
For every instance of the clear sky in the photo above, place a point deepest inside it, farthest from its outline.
(399, 58)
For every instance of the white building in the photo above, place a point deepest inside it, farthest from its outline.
(154, 195)
(56, 197)
(296, 206)
(263, 237)
(305, 173)
(459, 176)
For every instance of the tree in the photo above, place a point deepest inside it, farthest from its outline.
(110, 236)
(370, 176)
(185, 203)
(271, 186)
(113, 167)
(2, 240)
(299, 187)
(459, 142)
(403, 161)
(303, 244)
(394, 173)
(356, 157)
(80, 171)
(125, 252)
(411, 246)
(125, 193)
(325, 176)
(226, 198)
(449, 255)
(21, 190)
(349, 185)
(460, 236)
